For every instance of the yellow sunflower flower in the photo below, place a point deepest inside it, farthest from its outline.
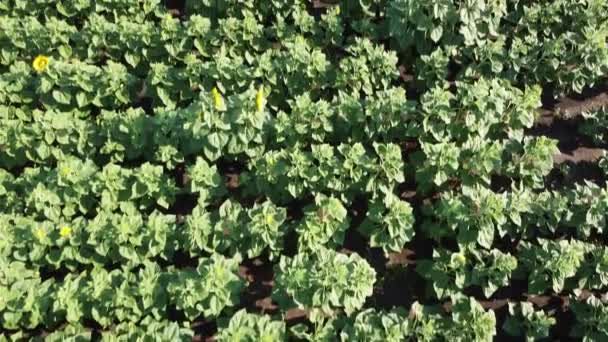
(217, 99)
(65, 231)
(458, 259)
(40, 63)
(40, 233)
(269, 219)
(65, 171)
(260, 100)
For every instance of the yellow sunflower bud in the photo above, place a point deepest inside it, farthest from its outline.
(269, 219)
(40, 63)
(458, 259)
(217, 99)
(65, 231)
(260, 100)
(40, 233)
(65, 171)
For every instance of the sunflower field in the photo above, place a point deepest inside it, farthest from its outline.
(303, 170)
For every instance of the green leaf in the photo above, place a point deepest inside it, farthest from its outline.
(436, 33)
(62, 97)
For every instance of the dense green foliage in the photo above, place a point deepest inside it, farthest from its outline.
(149, 158)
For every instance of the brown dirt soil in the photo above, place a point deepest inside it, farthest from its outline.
(260, 278)
(323, 4)
(580, 154)
(176, 7)
(592, 99)
(574, 147)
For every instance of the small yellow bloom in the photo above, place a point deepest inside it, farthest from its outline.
(40, 233)
(338, 9)
(40, 63)
(269, 219)
(260, 100)
(65, 171)
(458, 259)
(217, 99)
(65, 231)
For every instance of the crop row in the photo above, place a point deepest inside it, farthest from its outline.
(467, 320)
(574, 266)
(145, 152)
(69, 84)
(84, 215)
(108, 296)
(55, 235)
(122, 295)
(128, 239)
(476, 216)
(80, 9)
(236, 127)
(479, 216)
(523, 43)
